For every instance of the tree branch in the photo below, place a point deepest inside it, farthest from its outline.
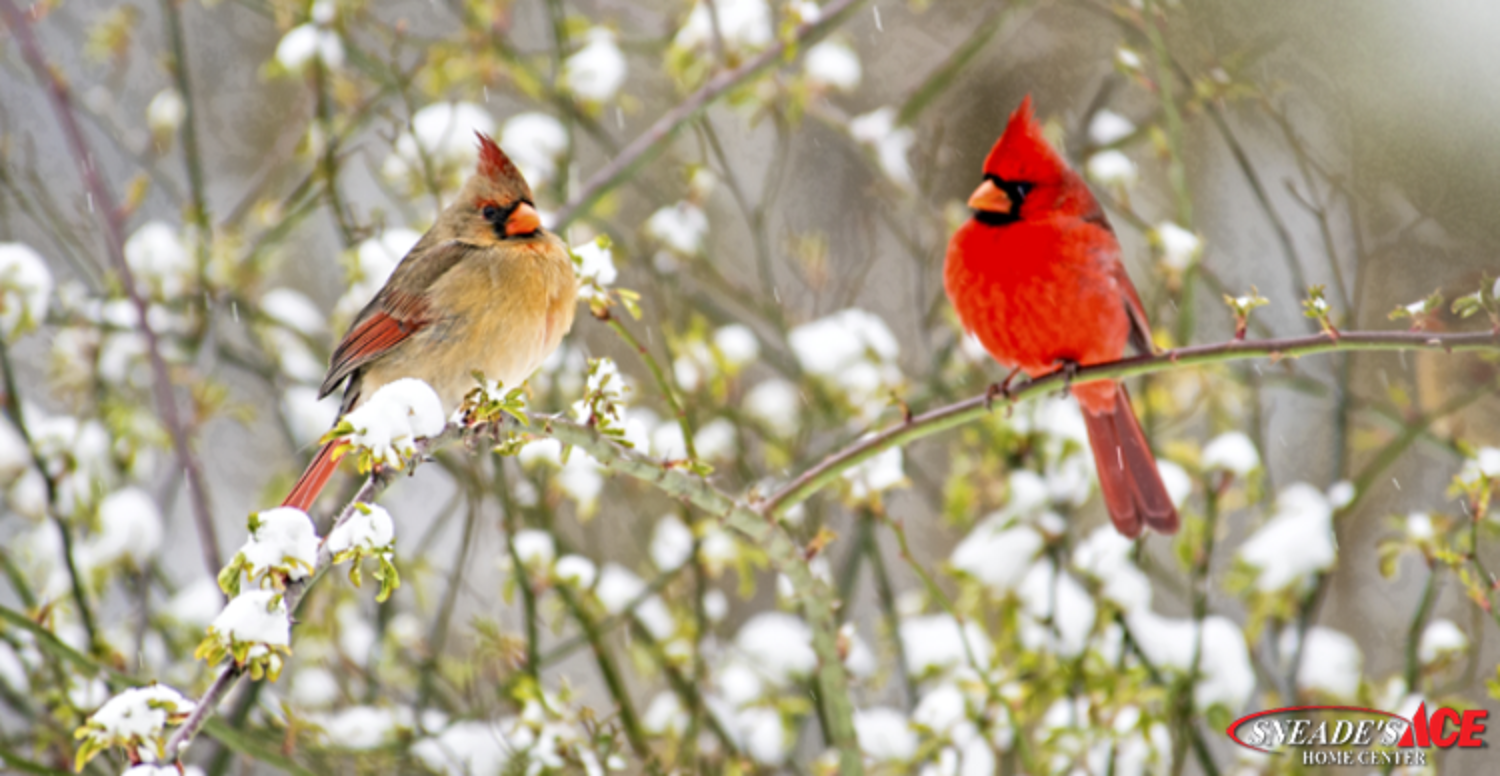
(959, 413)
(645, 147)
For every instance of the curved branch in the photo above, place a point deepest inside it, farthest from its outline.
(959, 413)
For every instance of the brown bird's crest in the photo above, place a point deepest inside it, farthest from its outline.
(493, 163)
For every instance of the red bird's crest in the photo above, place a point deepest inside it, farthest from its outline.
(493, 163)
(1023, 153)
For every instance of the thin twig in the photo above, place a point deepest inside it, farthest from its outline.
(645, 147)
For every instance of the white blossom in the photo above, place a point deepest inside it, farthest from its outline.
(576, 570)
(534, 547)
(737, 344)
(776, 404)
(671, 543)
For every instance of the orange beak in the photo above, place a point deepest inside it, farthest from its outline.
(523, 220)
(989, 198)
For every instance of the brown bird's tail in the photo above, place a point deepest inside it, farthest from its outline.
(311, 483)
(1132, 486)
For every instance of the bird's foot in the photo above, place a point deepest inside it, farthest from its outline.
(1069, 369)
(1000, 389)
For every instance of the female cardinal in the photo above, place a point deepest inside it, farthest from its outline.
(487, 290)
(1036, 276)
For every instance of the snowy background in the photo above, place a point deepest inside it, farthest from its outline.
(273, 160)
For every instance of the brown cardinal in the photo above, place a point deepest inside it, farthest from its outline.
(1036, 275)
(487, 290)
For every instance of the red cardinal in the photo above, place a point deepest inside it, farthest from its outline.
(1036, 276)
(487, 289)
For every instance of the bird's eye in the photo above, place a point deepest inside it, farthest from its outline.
(490, 212)
(1023, 189)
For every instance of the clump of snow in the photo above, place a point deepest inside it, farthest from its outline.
(1178, 483)
(1441, 639)
(596, 71)
(1062, 612)
(854, 351)
(716, 439)
(997, 555)
(314, 687)
(1179, 248)
(363, 728)
(1108, 128)
(776, 404)
(1225, 674)
(535, 548)
(1105, 555)
(159, 261)
(374, 260)
(281, 540)
(935, 644)
(1232, 452)
(877, 129)
(737, 344)
(136, 716)
(166, 112)
(575, 570)
(444, 133)
(743, 24)
(308, 42)
(595, 269)
(619, 588)
(294, 310)
(681, 228)
(308, 416)
(369, 530)
(778, 645)
(130, 530)
(254, 617)
(1484, 463)
(535, 142)
(1111, 168)
(1341, 494)
(834, 65)
(196, 604)
(876, 475)
(1295, 543)
(390, 422)
(671, 543)
(884, 734)
(1331, 661)
(665, 715)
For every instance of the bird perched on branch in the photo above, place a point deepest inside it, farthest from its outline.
(486, 290)
(1036, 276)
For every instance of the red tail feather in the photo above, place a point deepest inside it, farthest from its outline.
(1128, 477)
(311, 483)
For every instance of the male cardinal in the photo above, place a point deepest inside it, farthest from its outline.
(487, 290)
(1036, 276)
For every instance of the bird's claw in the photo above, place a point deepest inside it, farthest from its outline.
(1001, 388)
(1069, 369)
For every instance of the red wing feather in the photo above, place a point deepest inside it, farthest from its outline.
(386, 323)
